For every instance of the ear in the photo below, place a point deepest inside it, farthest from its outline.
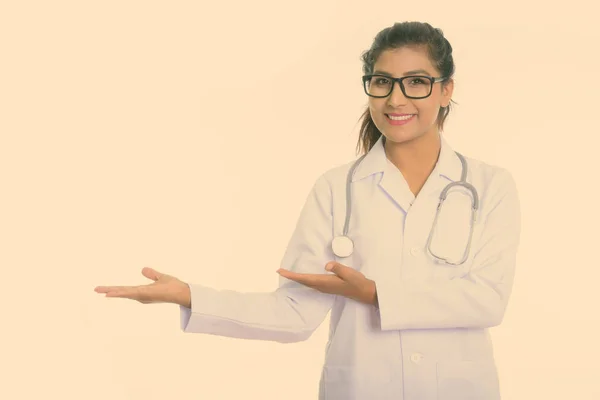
(447, 89)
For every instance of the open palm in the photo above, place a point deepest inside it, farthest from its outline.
(164, 289)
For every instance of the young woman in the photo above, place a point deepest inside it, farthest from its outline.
(412, 287)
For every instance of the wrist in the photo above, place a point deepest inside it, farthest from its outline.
(184, 296)
(371, 293)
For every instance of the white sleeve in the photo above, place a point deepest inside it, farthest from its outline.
(479, 298)
(293, 311)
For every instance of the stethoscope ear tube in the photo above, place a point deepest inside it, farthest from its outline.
(343, 246)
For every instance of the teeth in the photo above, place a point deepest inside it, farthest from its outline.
(396, 118)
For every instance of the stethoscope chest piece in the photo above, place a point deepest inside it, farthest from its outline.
(342, 246)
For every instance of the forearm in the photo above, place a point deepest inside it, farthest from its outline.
(459, 303)
(286, 315)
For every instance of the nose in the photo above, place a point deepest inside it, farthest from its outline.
(397, 97)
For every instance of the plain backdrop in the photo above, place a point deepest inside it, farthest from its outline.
(185, 136)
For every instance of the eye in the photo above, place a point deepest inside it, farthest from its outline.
(418, 81)
(381, 81)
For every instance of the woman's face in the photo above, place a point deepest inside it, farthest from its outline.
(423, 112)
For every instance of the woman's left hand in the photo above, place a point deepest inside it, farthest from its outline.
(346, 282)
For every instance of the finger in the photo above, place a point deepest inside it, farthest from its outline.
(346, 273)
(125, 292)
(301, 277)
(106, 289)
(321, 282)
(151, 273)
(130, 292)
(144, 294)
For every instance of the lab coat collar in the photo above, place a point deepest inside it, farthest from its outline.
(448, 168)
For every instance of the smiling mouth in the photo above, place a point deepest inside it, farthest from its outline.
(400, 117)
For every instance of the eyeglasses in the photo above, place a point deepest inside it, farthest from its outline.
(413, 87)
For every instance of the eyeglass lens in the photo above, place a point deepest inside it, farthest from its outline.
(415, 86)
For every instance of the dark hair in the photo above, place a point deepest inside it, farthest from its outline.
(399, 35)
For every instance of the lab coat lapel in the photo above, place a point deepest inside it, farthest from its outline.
(394, 184)
(390, 178)
(447, 169)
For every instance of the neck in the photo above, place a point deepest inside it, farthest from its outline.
(415, 158)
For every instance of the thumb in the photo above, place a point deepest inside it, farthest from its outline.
(151, 273)
(340, 270)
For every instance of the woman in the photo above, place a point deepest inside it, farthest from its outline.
(412, 304)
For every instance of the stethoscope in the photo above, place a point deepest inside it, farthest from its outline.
(343, 246)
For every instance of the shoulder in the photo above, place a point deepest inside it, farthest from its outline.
(333, 179)
(488, 176)
(328, 188)
(495, 184)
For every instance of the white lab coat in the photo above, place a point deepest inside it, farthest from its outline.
(428, 338)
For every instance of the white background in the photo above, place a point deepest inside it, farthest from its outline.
(186, 137)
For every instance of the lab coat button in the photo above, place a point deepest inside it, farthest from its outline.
(414, 251)
(416, 358)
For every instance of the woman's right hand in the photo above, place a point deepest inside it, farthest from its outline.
(164, 289)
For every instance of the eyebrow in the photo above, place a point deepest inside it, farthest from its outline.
(413, 72)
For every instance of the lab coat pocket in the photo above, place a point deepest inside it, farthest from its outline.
(467, 380)
(446, 272)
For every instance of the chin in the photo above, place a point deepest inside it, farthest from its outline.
(402, 137)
